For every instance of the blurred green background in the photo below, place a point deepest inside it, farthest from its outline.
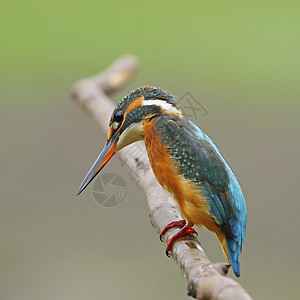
(239, 59)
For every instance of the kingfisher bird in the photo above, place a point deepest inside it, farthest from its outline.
(186, 163)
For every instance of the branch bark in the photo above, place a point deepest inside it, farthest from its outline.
(206, 280)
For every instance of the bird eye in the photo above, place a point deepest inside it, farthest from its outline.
(119, 116)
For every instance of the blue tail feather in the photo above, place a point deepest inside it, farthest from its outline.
(234, 253)
(234, 244)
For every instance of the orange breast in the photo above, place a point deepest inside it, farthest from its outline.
(190, 198)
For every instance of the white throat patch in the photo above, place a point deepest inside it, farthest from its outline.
(134, 133)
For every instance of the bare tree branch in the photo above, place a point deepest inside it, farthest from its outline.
(206, 280)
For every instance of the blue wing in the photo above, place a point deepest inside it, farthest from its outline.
(202, 162)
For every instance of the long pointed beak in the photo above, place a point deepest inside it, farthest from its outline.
(106, 154)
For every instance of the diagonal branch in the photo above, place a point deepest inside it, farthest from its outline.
(206, 280)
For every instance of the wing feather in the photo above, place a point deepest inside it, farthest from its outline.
(201, 162)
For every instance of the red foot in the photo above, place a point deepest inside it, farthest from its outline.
(186, 229)
(180, 223)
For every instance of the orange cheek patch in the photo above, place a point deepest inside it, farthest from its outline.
(135, 104)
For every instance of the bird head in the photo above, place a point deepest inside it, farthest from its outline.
(126, 125)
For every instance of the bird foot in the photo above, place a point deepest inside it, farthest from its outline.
(187, 228)
(180, 223)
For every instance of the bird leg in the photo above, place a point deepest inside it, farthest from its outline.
(187, 228)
